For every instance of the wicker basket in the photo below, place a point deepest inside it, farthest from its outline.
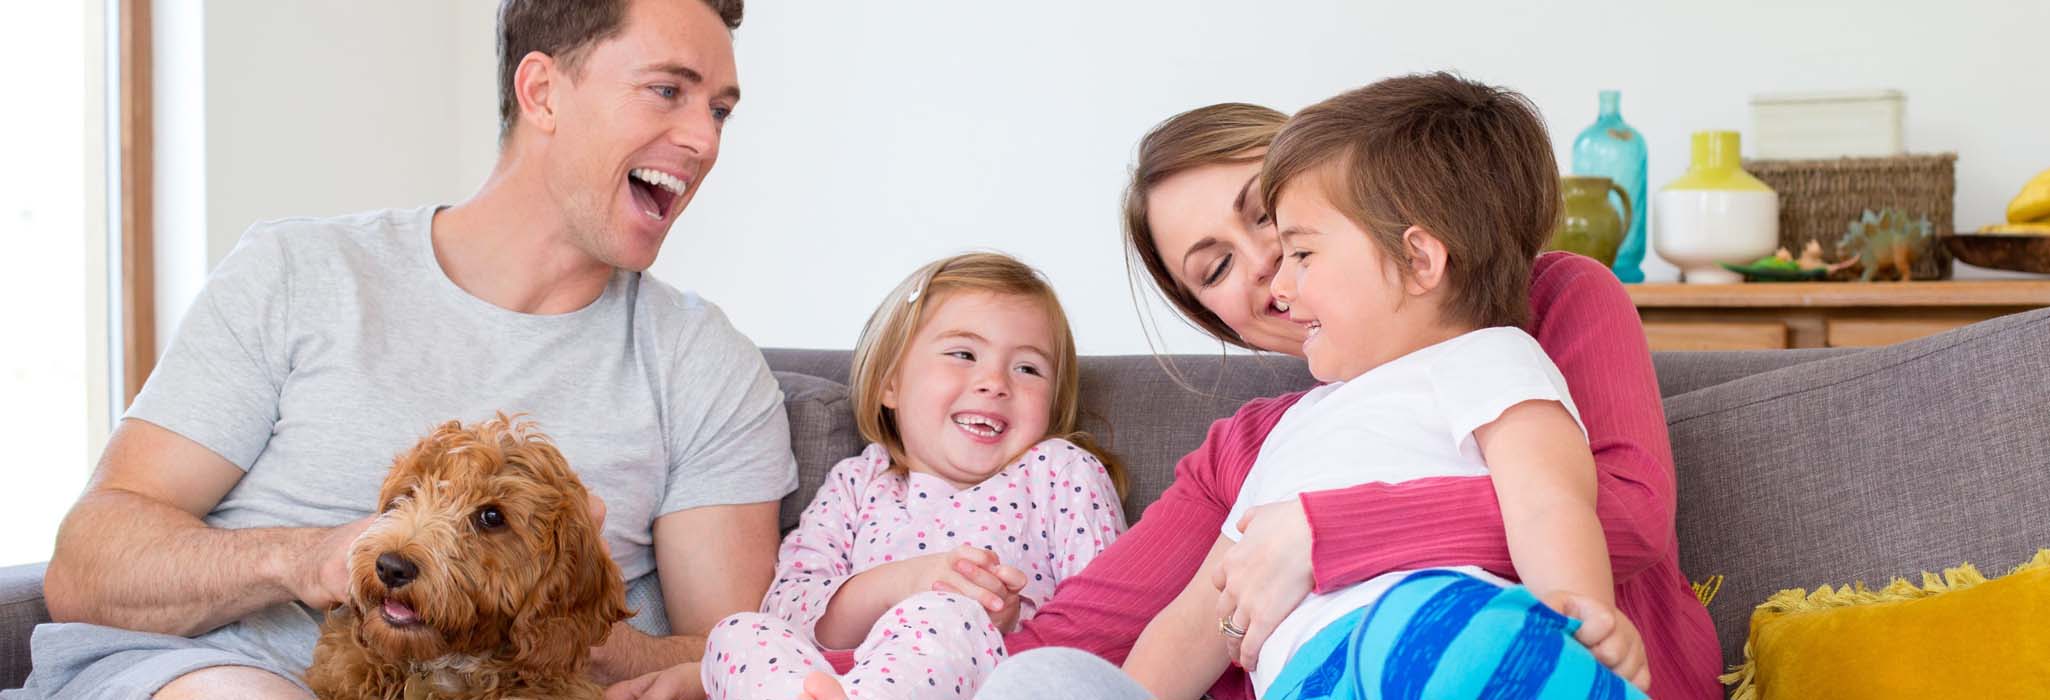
(1820, 198)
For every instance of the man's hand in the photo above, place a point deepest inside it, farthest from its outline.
(628, 652)
(597, 508)
(321, 579)
(1264, 576)
(679, 682)
(1608, 633)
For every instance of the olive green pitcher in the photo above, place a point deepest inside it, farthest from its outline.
(1587, 224)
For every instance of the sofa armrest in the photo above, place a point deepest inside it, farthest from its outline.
(21, 609)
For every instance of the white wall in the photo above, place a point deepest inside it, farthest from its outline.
(322, 108)
(876, 136)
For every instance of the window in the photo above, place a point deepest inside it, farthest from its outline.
(58, 204)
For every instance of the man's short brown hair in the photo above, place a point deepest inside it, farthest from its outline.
(1468, 162)
(563, 29)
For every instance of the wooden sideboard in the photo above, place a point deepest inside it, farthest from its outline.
(1772, 315)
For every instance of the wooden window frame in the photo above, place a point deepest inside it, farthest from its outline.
(138, 225)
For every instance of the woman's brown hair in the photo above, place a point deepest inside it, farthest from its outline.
(891, 328)
(1232, 132)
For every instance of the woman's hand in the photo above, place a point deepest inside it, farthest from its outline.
(1265, 576)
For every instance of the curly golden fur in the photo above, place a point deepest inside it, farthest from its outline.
(483, 576)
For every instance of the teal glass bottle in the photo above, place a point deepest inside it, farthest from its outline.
(1611, 149)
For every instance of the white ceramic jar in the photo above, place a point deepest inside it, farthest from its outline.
(1715, 213)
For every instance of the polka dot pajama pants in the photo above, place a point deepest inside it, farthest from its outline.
(931, 645)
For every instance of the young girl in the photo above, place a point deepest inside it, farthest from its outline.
(977, 496)
(1409, 213)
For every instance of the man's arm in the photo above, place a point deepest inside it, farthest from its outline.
(134, 553)
(713, 561)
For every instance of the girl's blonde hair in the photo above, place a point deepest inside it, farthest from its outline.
(891, 327)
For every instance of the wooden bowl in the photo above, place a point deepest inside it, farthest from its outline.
(2002, 251)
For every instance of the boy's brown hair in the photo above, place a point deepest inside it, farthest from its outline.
(1468, 162)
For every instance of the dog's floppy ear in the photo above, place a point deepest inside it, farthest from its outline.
(413, 464)
(579, 595)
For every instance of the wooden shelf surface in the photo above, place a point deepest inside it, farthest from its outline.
(1757, 295)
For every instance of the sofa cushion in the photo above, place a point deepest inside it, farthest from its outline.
(822, 433)
(1957, 635)
(1149, 416)
(1866, 465)
(1684, 371)
(21, 609)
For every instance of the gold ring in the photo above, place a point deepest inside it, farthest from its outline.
(1230, 630)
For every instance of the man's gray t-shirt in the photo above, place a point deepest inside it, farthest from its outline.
(322, 348)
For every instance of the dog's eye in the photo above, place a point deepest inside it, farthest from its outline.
(489, 518)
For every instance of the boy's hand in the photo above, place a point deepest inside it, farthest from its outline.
(1608, 633)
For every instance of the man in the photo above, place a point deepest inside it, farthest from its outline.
(215, 530)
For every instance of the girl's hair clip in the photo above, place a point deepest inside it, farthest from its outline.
(912, 298)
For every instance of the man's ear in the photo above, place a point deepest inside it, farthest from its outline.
(1427, 260)
(537, 84)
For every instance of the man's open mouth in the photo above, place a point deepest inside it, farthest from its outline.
(654, 191)
(398, 614)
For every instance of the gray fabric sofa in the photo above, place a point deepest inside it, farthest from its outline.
(1796, 468)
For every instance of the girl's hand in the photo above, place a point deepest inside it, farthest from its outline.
(969, 571)
(1608, 633)
(1006, 619)
(1265, 576)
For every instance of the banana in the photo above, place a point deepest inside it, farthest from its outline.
(2033, 204)
(2030, 229)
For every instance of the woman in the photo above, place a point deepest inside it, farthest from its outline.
(1200, 236)
(1193, 223)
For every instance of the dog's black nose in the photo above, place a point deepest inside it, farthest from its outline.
(395, 571)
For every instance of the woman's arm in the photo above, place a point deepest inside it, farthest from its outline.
(1585, 322)
(1180, 654)
(1103, 608)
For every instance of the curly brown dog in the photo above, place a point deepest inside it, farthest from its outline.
(483, 576)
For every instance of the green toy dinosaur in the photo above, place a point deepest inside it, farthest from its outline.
(1886, 239)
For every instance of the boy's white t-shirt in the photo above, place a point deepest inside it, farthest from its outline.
(1411, 418)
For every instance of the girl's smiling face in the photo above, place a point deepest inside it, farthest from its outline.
(975, 387)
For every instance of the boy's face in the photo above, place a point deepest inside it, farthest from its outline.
(1354, 301)
(637, 129)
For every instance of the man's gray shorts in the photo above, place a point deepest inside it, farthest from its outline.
(91, 662)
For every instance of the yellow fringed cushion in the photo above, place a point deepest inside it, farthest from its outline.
(1957, 636)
